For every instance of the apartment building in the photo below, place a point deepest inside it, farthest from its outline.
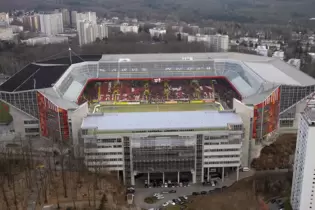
(303, 182)
(157, 32)
(51, 24)
(189, 144)
(88, 32)
(32, 22)
(4, 17)
(217, 43)
(85, 16)
(126, 28)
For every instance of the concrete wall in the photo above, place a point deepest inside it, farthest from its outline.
(18, 120)
(246, 113)
(76, 118)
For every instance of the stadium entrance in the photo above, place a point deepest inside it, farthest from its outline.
(163, 179)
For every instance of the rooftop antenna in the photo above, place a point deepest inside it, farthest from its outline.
(70, 55)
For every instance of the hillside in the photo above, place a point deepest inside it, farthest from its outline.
(261, 11)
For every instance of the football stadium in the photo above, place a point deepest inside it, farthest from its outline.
(179, 114)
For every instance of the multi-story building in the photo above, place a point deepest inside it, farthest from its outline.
(85, 16)
(51, 24)
(4, 17)
(157, 32)
(32, 22)
(65, 17)
(126, 28)
(189, 145)
(198, 38)
(89, 32)
(6, 33)
(45, 40)
(303, 182)
(73, 19)
(217, 43)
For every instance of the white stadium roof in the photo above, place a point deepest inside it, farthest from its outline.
(251, 75)
(160, 120)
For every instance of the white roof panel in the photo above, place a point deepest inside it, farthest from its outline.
(73, 91)
(161, 120)
(271, 74)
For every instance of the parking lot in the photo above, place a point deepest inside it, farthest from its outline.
(276, 204)
(142, 193)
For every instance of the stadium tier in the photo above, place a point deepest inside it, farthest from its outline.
(48, 98)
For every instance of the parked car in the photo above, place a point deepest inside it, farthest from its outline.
(203, 192)
(195, 193)
(165, 204)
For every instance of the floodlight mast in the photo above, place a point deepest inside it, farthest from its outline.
(70, 55)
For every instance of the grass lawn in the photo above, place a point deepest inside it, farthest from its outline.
(156, 107)
(150, 200)
(170, 207)
(5, 116)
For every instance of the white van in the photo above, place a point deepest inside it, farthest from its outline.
(245, 169)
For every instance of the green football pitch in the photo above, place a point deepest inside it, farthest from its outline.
(155, 108)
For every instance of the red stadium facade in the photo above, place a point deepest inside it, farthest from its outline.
(266, 115)
(54, 116)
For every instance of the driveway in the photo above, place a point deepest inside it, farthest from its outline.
(142, 193)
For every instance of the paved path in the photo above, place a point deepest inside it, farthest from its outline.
(142, 193)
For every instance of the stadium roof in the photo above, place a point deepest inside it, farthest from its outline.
(42, 74)
(251, 75)
(160, 120)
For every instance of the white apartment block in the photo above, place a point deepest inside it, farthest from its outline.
(89, 31)
(85, 16)
(198, 38)
(51, 24)
(45, 40)
(157, 32)
(303, 182)
(65, 17)
(218, 42)
(6, 33)
(4, 17)
(73, 19)
(126, 28)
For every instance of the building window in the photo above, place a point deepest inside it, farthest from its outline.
(31, 130)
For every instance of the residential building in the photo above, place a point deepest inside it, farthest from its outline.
(126, 28)
(303, 182)
(32, 22)
(65, 17)
(6, 33)
(85, 16)
(73, 19)
(16, 29)
(198, 38)
(88, 32)
(217, 43)
(4, 17)
(190, 144)
(45, 40)
(262, 50)
(157, 32)
(278, 54)
(51, 24)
